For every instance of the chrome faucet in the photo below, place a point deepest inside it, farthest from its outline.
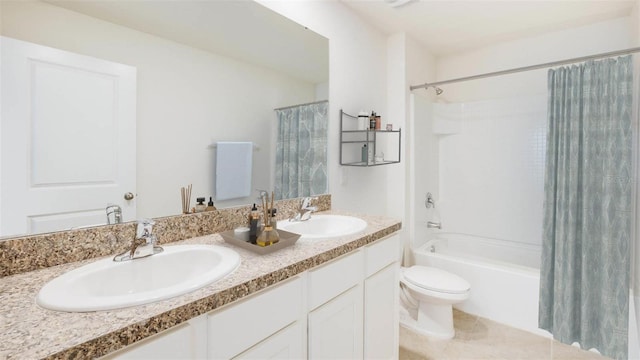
(263, 194)
(116, 211)
(143, 244)
(305, 210)
(430, 203)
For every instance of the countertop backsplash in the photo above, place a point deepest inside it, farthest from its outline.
(28, 253)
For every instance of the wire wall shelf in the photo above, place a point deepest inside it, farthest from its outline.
(362, 147)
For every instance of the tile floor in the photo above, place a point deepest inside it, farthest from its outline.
(480, 338)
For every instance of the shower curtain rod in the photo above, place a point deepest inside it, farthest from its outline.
(292, 106)
(527, 68)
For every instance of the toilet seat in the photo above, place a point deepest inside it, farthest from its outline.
(437, 280)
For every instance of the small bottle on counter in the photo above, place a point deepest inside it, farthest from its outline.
(200, 206)
(372, 121)
(272, 219)
(210, 206)
(268, 237)
(254, 223)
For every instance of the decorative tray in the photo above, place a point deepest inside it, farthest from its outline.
(286, 239)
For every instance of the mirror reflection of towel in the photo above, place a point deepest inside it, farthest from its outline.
(233, 170)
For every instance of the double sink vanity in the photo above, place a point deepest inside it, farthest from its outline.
(333, 294)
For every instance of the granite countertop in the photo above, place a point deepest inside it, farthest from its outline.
(30, 331)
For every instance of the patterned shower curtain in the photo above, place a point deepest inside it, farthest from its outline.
(301, 151)
(584, 280)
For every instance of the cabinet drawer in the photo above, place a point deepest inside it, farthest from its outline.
(179, 342)
(288, 343)
(382, 253)
(237, 327)
(333, 278)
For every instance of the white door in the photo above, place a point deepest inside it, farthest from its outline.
(67, 138)
(335, 328)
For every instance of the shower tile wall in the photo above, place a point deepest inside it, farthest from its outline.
(491, 167)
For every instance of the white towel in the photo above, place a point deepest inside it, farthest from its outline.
(233, 170)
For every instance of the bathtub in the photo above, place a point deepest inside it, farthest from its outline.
(504, 276)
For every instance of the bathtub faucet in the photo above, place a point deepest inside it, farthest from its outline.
(434, 225)
(429, 202)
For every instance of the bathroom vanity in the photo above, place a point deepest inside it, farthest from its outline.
(341, 309)
(327, 298)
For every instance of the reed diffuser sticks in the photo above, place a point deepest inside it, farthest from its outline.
(265, 202)
(186, 199)
(269, 235)
(266, 209)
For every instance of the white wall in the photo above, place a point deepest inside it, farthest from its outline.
(491, 132)
(559, 45)
(187, 99)
(492, 170)
(357, 73)
(420, 156)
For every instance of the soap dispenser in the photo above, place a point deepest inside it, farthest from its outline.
(210, 206)
(254, 220)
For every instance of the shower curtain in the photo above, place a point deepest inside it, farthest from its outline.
(588, 209)
(301, 151)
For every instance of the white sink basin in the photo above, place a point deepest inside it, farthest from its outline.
(106, 285)
(324, 226)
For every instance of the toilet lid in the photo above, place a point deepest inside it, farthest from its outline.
(436, 280)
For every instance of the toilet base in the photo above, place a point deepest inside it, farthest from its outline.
(436, 320)
(429, 324)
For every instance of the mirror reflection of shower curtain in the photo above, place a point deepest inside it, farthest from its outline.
(588, 206)
(301, 151)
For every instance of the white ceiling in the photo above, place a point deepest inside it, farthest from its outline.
(240, 29)
(453, 26)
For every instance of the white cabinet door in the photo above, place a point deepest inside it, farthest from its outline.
(381, 314)
(287, 343)
(335, 328)
(68, 138)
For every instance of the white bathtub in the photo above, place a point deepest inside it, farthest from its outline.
(503, 276)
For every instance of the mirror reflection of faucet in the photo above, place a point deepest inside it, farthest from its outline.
(263, 195)
(305, 210)
(116, 211)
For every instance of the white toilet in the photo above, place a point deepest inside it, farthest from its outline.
(427, 295)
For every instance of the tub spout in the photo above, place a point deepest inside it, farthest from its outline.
(434, 225)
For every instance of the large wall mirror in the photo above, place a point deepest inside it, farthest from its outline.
(190, 74)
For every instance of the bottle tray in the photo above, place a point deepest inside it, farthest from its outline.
(286, 239)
